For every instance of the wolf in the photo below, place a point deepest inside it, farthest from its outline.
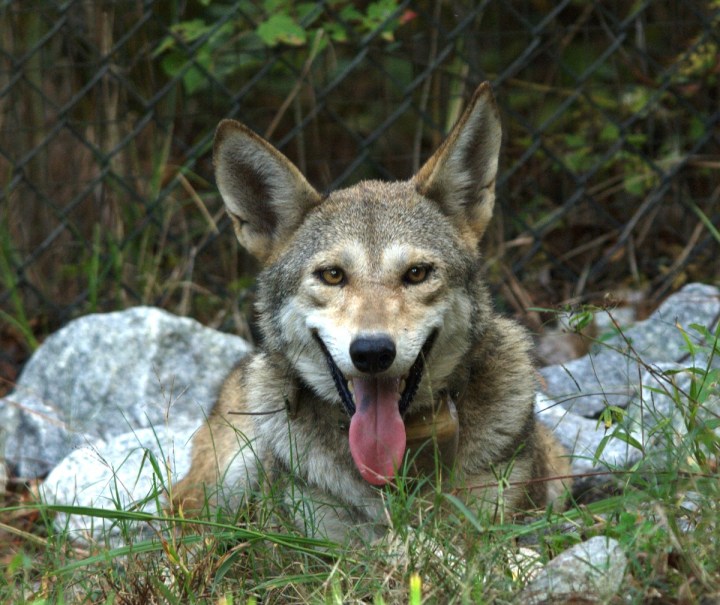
(381, 354)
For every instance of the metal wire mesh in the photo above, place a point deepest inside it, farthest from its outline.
(609, 169)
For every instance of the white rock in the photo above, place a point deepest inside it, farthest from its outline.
(593, 569)
(107, 374)
(131, 472)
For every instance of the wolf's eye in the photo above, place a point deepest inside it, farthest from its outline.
(416, 274)
(332, 276)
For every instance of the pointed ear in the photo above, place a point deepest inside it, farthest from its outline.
(265, 195)
(460, 176)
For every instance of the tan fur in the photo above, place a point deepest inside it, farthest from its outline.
(280, 417)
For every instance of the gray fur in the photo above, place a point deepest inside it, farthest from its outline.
(372, 235)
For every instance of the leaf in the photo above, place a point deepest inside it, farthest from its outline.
(575, 141)
(610, 132)
(630, 440)
(706, 221)
(196, 79)
(350, 13)
(191, 30)
(281, 29)
(581, 320)
(465, 511)
(336, 32)
(377, 17)
(634, 184)
(308, 12)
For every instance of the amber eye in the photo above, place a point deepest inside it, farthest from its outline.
(416, 274)
(332, 276)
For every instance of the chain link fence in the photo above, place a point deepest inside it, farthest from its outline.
(609, 173)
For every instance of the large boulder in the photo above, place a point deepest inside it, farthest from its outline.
(108, 374)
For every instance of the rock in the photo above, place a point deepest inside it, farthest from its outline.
(663, 414)
(133, 471)
(582, 437)
(8, 424)
(593, 570)
(609, 374)
(524, 564)
(639, 373)
(658, 337)
(107, 374)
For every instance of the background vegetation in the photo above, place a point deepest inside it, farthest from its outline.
(107, 110)
(609, 184)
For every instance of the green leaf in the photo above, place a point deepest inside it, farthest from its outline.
(336, 32)
(706, 221)
(308, 12)
(350, 13)
(634, 184)
(281, 29)
(581, 320)
(166, 43)
(610, 132)
(627, 438)
(191, 30)
(465, 511)
(575, 140)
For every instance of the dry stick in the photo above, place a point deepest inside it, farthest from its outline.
(519, 298)
(587, 246)
(298, 85)
(688, 248)
(212, 229)
(29, 537)
(581, 282)
(647, 225)
(425, 91)
(189, 266)
(568, 38)
(680, 260)
(198, 202)
(632, 259)
(697, 570)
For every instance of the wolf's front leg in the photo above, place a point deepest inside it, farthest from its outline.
(319, 515)
(227, 460)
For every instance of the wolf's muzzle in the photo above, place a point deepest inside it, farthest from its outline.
(382, 357)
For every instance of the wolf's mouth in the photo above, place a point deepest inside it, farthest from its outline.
(411, 380)
(376, 406)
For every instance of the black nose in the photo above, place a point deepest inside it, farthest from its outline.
(372, 354)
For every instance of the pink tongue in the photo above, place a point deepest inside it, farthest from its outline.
(377, 432)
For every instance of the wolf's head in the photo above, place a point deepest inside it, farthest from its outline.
(372, 294)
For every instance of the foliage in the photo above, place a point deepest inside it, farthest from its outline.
(192, 49)
(608, 115)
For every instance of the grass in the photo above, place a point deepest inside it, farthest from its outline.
(665, 517)
(156, 245)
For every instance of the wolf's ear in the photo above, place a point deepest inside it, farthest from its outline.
(460, 176)
(265, 195)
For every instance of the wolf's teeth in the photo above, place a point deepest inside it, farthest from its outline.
(351, 388)
(403, 384)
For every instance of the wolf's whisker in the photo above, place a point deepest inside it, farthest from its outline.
(266, 413)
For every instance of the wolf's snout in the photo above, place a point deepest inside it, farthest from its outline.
(372, 354)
